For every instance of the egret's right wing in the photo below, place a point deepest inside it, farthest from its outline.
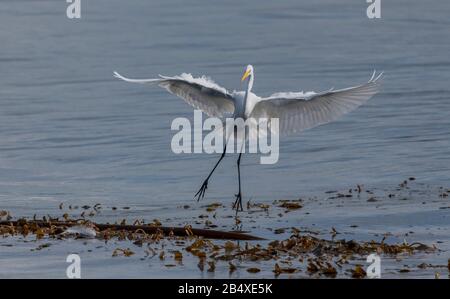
(201, 93)
(301, 111)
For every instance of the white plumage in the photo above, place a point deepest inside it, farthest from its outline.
(296, 111)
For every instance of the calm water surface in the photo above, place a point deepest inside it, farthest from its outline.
(70, 132)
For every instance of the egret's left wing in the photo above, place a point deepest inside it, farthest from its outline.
(201, 93)
(301, 111)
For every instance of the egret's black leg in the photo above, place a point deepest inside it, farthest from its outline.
(201, 193)
(238, 203)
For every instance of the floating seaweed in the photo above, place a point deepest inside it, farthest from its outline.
(42, 227)
(124, 252)
(303, 252)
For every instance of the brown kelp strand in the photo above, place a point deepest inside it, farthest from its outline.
(42, 227)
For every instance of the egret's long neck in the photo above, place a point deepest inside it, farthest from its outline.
(249, 88)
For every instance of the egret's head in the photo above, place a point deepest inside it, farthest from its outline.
(248, 72)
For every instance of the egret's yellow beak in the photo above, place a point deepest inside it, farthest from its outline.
(246, 74)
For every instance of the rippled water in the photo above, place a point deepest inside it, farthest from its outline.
(70, 132)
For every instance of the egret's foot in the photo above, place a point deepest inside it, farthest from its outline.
(201, 192)
(238, 203)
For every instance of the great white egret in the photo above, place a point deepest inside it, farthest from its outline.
(296, 111)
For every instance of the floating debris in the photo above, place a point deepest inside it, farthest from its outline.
(212, 266)
(5, 215)
(313, 249)
(42, 246)
(232, 267)
(359, 188)
(279, 231)
(358, 272)
(212, 207)
(81, 231)
(11, 226)
(178, 256)
(279, 270)
(289, 204)
(124, 252)
(261, 206)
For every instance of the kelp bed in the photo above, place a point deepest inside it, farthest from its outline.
(106, 231)
(291, 252)
(301, 252)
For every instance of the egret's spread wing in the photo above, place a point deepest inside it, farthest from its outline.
(201, 93)
(301, 111)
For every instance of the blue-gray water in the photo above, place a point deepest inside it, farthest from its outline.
(70, 132)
